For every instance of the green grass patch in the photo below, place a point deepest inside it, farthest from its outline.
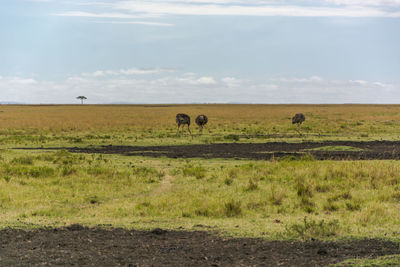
(335, 148)
(268, 199)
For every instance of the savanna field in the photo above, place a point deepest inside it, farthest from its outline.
(283, 198)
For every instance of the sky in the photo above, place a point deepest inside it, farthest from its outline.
(200, 51)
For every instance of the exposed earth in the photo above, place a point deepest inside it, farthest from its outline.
(340, 150)
(81, 246)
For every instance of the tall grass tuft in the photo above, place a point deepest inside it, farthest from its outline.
(233, 208)
(313, 229)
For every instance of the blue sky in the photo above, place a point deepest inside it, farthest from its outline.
(186, 51)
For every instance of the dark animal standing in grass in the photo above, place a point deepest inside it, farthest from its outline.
(201, 120)
(182, 119)
(298, 118)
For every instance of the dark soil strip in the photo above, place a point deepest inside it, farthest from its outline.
(81, 246)
(258, 151)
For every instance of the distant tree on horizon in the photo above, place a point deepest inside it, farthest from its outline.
(81, 97)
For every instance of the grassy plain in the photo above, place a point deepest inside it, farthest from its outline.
(155, 124)
(276, 199)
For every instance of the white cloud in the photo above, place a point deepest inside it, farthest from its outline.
(129, 9)
(98, 15)
(231, 81)
(206, 80)
(189, 88)
(149, 23)
(141, 71)
(365, 2)
(184, 8)
(192, 80)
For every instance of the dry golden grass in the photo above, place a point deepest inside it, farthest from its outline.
(111, 117)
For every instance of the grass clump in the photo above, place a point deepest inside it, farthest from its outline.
(228, 181)
(232, 137)
(197, 171)
(313, 229)
(24, 160)
(303, 188)
(353, 206)
(252, 185)
(276, 198)
(233, 208)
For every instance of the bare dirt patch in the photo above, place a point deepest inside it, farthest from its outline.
(82, 246)
(257, 151)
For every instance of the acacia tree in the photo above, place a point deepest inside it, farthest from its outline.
(81, 97)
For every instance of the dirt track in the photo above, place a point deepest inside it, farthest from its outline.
(81, 246)
(257, 151)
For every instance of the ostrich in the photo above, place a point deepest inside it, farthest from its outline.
(298, 118)
(201, 120)
(182, 119)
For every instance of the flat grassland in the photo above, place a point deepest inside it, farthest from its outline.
(276, 199)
